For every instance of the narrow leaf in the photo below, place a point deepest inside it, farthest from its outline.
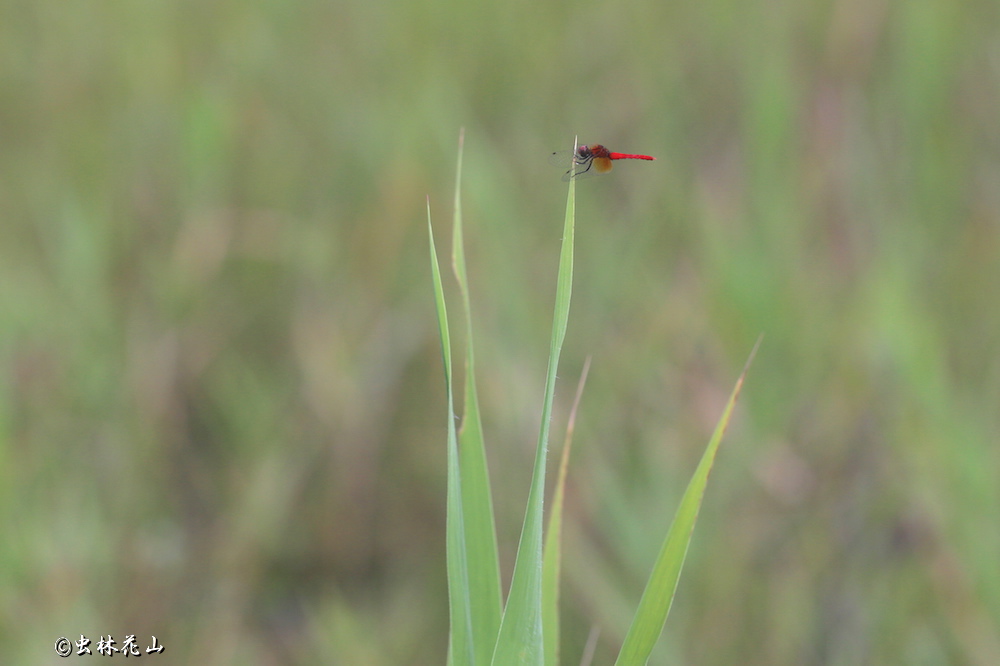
(460, 646)
(477, 503)
(659, 593)
(552, 557)
(520, 640)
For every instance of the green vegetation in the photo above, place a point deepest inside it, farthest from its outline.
(528, 630)
(221, 409)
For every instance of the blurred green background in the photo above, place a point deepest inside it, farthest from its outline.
(222, 417)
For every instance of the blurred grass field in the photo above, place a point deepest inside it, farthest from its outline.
(222, 414)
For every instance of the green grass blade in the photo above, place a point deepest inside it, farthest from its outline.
(520, 640)
(552, 557)
(659, 593)
(460, 646)
(477, 503)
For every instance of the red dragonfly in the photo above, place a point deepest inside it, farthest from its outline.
(591, 160)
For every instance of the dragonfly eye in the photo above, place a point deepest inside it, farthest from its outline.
(583, 153)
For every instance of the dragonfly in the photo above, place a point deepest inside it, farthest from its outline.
(592, 160)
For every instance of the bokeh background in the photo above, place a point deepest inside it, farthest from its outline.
(222, 418)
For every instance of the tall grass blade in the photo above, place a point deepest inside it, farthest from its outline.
(520, 640)
(552, 556)
(659, 593)
(460, 645)
(477, 503)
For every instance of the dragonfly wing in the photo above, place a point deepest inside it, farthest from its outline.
(602, 165)
(562, 159)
